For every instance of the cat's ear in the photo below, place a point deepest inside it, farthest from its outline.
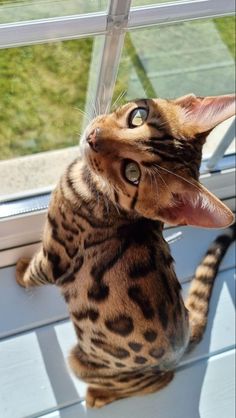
(204, 113)
(193, 204)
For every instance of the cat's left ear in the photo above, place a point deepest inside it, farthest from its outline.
(204, 113)
(192, 204)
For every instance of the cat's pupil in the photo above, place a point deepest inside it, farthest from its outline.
(132, 172)
(138, 117)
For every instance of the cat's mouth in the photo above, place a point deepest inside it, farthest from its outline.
(87, 153)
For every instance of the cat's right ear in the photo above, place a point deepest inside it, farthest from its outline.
(202, 114)
(183, 203)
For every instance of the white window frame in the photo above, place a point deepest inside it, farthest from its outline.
(113, 24)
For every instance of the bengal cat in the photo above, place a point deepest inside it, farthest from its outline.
(103, 245)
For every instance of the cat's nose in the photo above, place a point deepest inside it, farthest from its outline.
(92, 139)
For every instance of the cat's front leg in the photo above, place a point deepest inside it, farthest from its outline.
(33, 272)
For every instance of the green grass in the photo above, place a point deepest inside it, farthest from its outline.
(43, 86)
(226, 28)
(41, 89)
(131, 60)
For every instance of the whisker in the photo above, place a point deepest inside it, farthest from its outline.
(98, 105)
(93, 111)
(164, 182)
(104, 98)
(116, 207)
(151, 178)
(114, 203)
(107, 110)
(119, 98)
(155, 181)
(176, 175)
(145, 92)
(82, 112)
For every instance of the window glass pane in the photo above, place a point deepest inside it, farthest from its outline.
(42, 90)
(20, 10)
(173, 60)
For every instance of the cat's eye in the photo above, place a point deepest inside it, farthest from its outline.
(137, 117)
(131, 172)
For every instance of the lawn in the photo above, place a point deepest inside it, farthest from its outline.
(41, 89)
(43, 86)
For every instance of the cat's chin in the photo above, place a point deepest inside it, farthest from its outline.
(90, 165)
(100, 180)
(86, 155)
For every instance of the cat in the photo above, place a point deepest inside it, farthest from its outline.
(137, 169)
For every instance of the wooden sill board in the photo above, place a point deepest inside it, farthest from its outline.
(35, 381)
(203, 390)
(36, 337)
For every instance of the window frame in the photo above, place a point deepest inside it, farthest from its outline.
(120, 16)
(113, 24)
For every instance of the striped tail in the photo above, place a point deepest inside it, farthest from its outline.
(202, 284)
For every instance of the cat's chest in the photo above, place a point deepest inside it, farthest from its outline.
(124, 308)
(125, 301)
(130, 275)
(115, 273)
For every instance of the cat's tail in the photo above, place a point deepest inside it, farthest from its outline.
(202, 284)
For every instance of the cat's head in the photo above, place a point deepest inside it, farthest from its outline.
(149, 152)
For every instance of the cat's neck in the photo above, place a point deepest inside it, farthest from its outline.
(85, 192)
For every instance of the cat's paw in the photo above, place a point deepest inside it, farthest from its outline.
(21, 267)
(97, 398)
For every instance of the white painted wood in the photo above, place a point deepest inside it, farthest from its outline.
(22, 309)
(35, 363)
(54, 342)
(25, 385)
(67, 339)
(204, 390)
(11, 256)
(22, 229)
(66, 389)
(189, 250)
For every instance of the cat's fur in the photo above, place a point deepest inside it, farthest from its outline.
(103, 244)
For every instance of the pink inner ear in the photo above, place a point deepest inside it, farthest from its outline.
(205, 113)
(197, 209)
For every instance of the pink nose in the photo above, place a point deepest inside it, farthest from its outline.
(92, 139)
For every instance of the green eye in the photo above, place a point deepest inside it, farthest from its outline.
(137, 117)
(132, 172)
